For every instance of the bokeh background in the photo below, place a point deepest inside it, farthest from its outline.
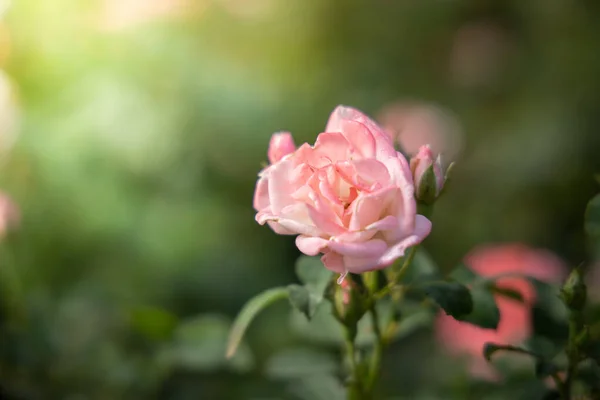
(132, 131)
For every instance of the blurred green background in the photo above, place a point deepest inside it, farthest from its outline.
(133, 131)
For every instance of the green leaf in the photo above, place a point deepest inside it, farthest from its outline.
(313, 274)
(154, 323)
(463, 274)
(300, 299)
(453, 297)
(485, 312)
(549, 313)
(248, 312)
(316, 279)
(489, 349)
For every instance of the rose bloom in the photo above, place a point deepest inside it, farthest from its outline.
(349, 197)
(461, 338)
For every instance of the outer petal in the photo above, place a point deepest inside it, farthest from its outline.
(311, 246)
(278, 229)
(261, 194)
(281, 144)
(422, 230)
(386, 224)
(405, 205)
(384, 147)
(334, 262)
(368, 249)
(280, 188)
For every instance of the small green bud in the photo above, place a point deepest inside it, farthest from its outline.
(574, 291)
(349, 303)
(427, 175)
(371, 280)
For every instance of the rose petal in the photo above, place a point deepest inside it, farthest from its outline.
(368, 249)
(311, 246)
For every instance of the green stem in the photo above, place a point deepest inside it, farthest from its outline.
(573, 356)
(375, 366)
(355, 390)
(398, 275)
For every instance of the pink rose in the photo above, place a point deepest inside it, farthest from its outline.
(350, 196)
(427, 188)
(515, 323)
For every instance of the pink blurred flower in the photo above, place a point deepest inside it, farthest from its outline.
(461, 338)
(350, 196)
(9, 214)
(419, 165)
(413, 125)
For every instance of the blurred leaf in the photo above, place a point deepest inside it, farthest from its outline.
(489, 349)
(542, 346)
(453, 297)
(199, 344)
(485, 312)
(592, 218)
(316, 278)
(248, 312)
(154, 323)
(544, 368)
(413, 322)
(322, 328)
(299, 362)
(463, 274)
(549, 314)
(313, 274)
(300, 299)
(589, 373)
